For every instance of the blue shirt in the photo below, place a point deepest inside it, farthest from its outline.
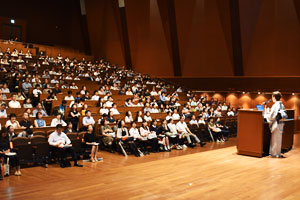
(88, 120)
(40, 122)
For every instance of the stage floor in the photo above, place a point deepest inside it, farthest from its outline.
(192, 174)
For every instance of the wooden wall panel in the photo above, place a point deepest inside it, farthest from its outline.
(104, 30)
(272, 39)
(49, 22)
(148, 42)
(203, 47)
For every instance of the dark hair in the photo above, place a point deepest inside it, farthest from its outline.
(277, 95)
(58, 126)
(37, 115)
(133, 123)
(120, 124)
(127, 113)
(12, 115)
(69, 92)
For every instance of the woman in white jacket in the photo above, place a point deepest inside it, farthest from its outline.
(276, 126)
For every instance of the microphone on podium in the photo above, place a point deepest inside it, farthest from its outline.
(267, 101)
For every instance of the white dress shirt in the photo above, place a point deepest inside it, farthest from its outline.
(14, 104)
(182, 127)
(56, 121)
(134, 132)
(56, 138)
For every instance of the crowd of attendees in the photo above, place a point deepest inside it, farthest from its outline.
(26, 78)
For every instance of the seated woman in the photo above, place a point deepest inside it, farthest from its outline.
(128, 117)
(176, 138)
(139, 117)
(147, 117)
(217, 131)
(140, 141)
(84, 109)
(224, 128)
(27, 103)
(163, 139)
(150, 136)
(74, 117)
(104, 110)
(58, 120)
(90, 140)
(108, 134)
(5, 152)
(111, 118)
(39, 122)
(69, 128)
(123, 137)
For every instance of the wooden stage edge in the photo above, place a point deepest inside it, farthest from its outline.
(191, 174)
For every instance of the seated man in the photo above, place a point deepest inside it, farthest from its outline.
(12, 121)
(58, 120)
(61, 144)
(39, 108)
(182, 128)
(88, 120)
(3, 113)
(14, 103)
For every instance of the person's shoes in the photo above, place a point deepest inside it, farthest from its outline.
(1, 177)
(77, 165)
(218, 141)
(111, 151)
(280, 156)
(202, 144)
(192, 145)
(46, 165)
(165, 148)
(62, 165)
(17, 173)
(184, 146)
(137, 155)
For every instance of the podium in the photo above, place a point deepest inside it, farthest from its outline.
(253, 138)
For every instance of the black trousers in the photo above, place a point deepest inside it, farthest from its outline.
(14, 161)
(142, 144)
(225, 132)
(173, 140)
(132, 146)
(64, 152)
(218, 135)
(154, 144)
(74, 123)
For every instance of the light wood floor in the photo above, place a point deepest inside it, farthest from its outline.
(191, 174)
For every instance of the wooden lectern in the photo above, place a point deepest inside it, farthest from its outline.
(253, 138)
